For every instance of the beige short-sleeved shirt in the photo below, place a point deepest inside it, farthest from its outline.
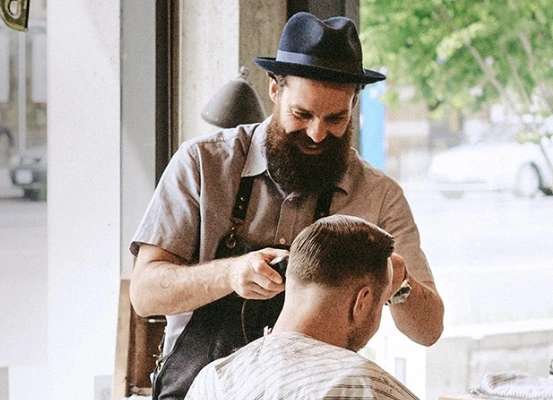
(191, 208)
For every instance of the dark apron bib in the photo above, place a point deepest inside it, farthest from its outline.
(223, 326)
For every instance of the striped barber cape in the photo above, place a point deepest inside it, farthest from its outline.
(288, 365)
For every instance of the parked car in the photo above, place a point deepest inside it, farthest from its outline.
(498, 166)
(28, 171)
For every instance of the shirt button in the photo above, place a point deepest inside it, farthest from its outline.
(282, 241)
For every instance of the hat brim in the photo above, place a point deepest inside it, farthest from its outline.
(317, 73)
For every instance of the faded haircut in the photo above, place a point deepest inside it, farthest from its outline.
(339, 249)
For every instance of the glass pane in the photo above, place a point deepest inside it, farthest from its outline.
(481, 194)
(23, 111)
(23, 211)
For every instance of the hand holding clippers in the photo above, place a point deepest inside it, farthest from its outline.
(279, 264)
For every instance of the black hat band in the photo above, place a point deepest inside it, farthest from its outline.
(314, 61)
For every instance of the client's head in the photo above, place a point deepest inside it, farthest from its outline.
(340, 267)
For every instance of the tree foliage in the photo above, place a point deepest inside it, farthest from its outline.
(464, 54)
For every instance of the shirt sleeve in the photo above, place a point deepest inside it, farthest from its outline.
(172, 217)
(397, 218)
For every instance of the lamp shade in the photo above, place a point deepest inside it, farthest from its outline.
(234, 103)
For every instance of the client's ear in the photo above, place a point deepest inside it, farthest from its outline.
(363, 302)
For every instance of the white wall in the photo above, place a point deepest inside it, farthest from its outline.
(84, 194)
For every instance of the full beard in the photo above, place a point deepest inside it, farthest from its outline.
(295, 171)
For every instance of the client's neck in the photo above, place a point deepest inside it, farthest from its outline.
(311, 315)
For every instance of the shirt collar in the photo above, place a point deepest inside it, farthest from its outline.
(256, 161)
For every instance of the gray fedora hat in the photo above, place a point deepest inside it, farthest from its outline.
(327, 50)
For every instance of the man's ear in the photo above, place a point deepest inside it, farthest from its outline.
(356, 100)
(363, 302)
(273, 89)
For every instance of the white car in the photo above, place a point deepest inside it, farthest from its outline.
(496, 166)
(28, 171)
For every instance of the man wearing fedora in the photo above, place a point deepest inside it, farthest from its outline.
(231, 203)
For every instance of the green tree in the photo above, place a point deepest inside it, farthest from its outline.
(465, 55)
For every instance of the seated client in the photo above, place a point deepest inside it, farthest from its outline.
(337, 282)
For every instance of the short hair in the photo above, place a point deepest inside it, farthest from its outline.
(337, 249)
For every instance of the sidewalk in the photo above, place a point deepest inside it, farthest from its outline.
(7, 190)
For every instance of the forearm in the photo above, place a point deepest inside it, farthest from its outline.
(421, 316)
(162, 285)
(165, 288)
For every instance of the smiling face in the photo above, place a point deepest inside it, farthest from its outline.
(310, 133)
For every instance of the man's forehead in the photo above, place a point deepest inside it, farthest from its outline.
(304, 94)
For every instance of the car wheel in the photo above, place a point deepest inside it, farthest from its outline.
(527, 182)
(35, 194)
(452, 194)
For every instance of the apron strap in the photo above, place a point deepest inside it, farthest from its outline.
(245, 191)
(323, 204)
(242, 198)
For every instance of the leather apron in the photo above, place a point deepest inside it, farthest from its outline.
(219, 328)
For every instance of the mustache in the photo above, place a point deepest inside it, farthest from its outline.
(301, 138)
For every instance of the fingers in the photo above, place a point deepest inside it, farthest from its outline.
(256, 292)
(257, 287)
(254, 278)
(397, 260)
(399, 271)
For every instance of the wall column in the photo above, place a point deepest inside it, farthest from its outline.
(216, 40)
(84, 194)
